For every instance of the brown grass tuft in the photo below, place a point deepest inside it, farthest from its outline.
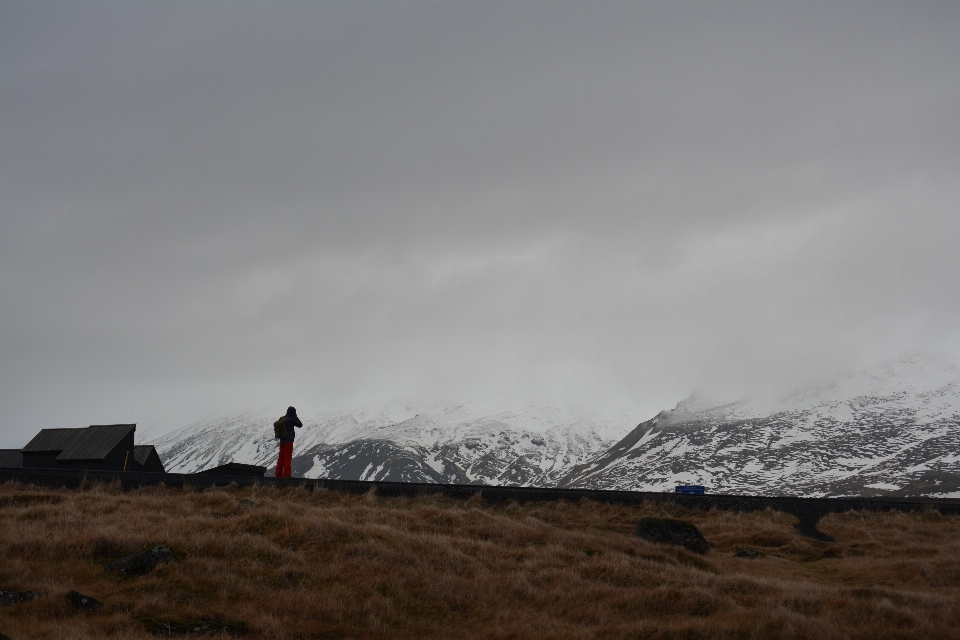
(292, 563)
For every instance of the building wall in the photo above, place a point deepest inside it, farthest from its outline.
(154, 464)
(40, 460)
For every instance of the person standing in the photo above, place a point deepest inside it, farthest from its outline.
(286, 443)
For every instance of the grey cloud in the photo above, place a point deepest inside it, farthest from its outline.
(215, 204)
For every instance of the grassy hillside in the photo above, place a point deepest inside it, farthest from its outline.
(290, 563)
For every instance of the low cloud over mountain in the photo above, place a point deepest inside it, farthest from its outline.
(894, 429)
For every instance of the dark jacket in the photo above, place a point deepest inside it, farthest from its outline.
(292, 421)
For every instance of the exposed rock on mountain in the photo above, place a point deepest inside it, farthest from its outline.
(434, 443)
(892, 430)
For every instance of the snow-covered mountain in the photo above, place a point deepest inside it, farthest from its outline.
(408, 442)
(894, 429)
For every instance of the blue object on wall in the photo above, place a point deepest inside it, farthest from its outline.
(695, 489)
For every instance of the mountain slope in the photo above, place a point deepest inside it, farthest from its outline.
(410, 443)
(894, 429)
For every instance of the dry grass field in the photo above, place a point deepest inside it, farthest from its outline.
(291, 563)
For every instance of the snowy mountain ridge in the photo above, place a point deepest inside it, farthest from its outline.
(425, 443)
(893, 429)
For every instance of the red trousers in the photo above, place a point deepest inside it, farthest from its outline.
(283, 460)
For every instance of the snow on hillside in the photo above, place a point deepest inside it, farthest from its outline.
(892, 429)
(415, 442)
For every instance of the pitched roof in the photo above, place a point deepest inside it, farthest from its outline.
(52, 440)
(142, 451)
(96, 441)
(11, 459)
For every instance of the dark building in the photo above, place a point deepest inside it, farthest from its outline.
(11, 459)
(106, 447)
(236, 469)
(42, 451)
(147, 459)
(98, 447)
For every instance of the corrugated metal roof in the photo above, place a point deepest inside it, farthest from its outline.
(53, 439)
(11, 459)
(96, 441)
(141, 452)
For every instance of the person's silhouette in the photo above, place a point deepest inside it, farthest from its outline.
(286, 444)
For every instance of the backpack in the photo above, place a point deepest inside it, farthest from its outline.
(280, 428)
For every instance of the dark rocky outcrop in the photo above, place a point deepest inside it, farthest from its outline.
(141, 562)
(82, 602)
(166, 627)
(673, 532)
(13, 597)
(4, 636)
(749, 553)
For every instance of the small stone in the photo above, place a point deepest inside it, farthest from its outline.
(82, 602)
(13, 597)
(249, 503)
(141, 562)
(749, 553)
(673, 532)
(177, 627)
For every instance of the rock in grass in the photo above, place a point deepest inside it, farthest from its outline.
(673, 532)
(141, 562)
(82, 602)
(167, 627)
(4, 636)
(749, 553)
(13, 597)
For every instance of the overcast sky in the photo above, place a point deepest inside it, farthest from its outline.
(215, 206)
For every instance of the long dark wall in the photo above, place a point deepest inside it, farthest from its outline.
(807, 510)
